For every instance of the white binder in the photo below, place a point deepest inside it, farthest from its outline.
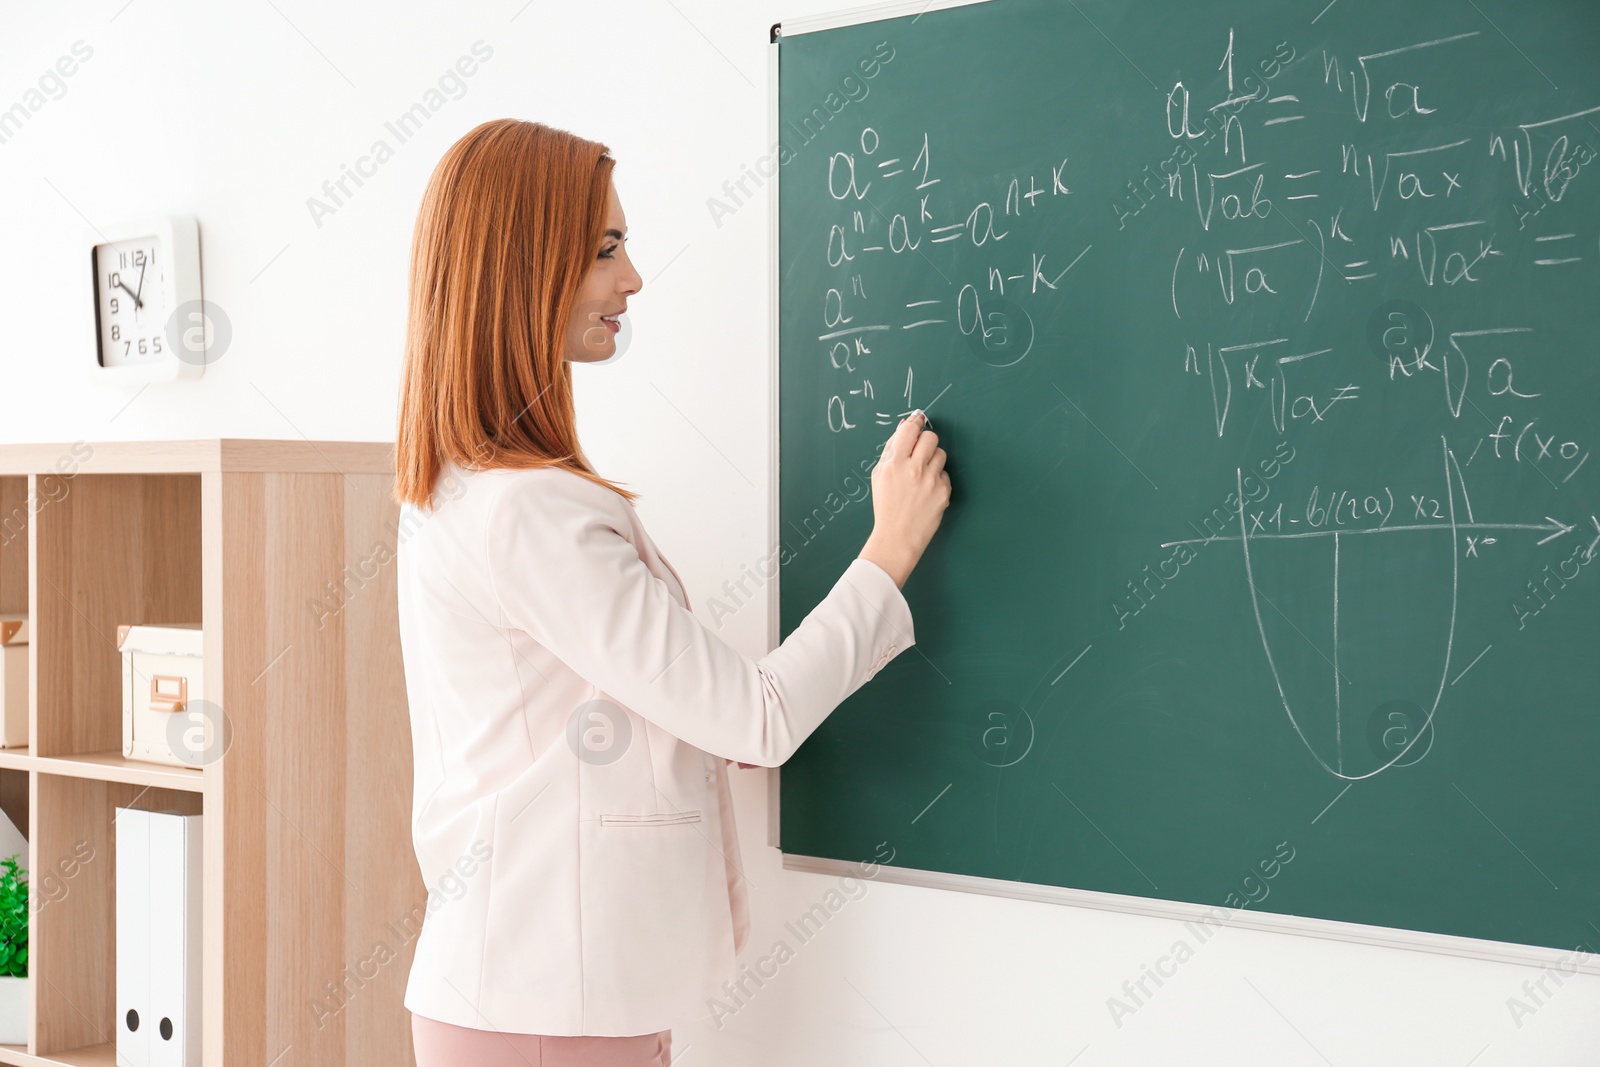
(133, 937)
(158, 939)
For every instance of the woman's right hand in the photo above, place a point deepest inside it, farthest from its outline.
(910, 490)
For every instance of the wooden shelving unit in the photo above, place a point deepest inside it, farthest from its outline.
(284, 551)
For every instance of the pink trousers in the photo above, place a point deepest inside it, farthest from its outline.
(440, 1044)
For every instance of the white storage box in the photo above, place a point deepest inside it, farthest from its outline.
(13, 680)
(161, 678)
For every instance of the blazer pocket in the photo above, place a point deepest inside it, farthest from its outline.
(655, 818)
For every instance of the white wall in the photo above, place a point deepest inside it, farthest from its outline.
(239, 112)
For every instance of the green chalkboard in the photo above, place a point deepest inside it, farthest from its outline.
(1263, 341)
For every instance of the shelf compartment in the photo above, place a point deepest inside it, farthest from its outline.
(110, 549)
(72, 931)
(14, 513)
(14, 802)
(14, 544)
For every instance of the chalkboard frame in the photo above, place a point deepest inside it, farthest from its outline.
(1155, 907)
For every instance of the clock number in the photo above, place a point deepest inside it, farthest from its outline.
(125, 346)
(116, 332)
(113, 305)
(138, 258)
(114, 281)
(141, 346)
(156, 342)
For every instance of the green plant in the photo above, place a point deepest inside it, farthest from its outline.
(13, 919)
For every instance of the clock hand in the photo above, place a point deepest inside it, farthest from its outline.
(136, 299)
(130, 292)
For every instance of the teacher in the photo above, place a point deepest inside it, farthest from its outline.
(571, 719)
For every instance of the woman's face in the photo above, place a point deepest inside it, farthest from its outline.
(592, 333)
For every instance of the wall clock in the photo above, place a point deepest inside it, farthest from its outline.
(150, 323)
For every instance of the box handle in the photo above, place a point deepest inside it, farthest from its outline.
(169, 697)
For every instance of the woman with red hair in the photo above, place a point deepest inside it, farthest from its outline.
(571, 719)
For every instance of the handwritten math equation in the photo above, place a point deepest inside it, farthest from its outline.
(1295, 187)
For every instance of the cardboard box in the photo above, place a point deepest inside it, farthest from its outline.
(162, 681)
(13, 681)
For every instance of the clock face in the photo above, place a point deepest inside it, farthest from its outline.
(130, 301)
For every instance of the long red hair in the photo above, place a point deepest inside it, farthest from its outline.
(511, 220)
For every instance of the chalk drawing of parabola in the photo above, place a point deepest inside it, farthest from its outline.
(1354, 624)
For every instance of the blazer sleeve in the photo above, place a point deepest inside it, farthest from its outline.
(565, 572)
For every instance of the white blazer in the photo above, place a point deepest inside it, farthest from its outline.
(598, 894)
